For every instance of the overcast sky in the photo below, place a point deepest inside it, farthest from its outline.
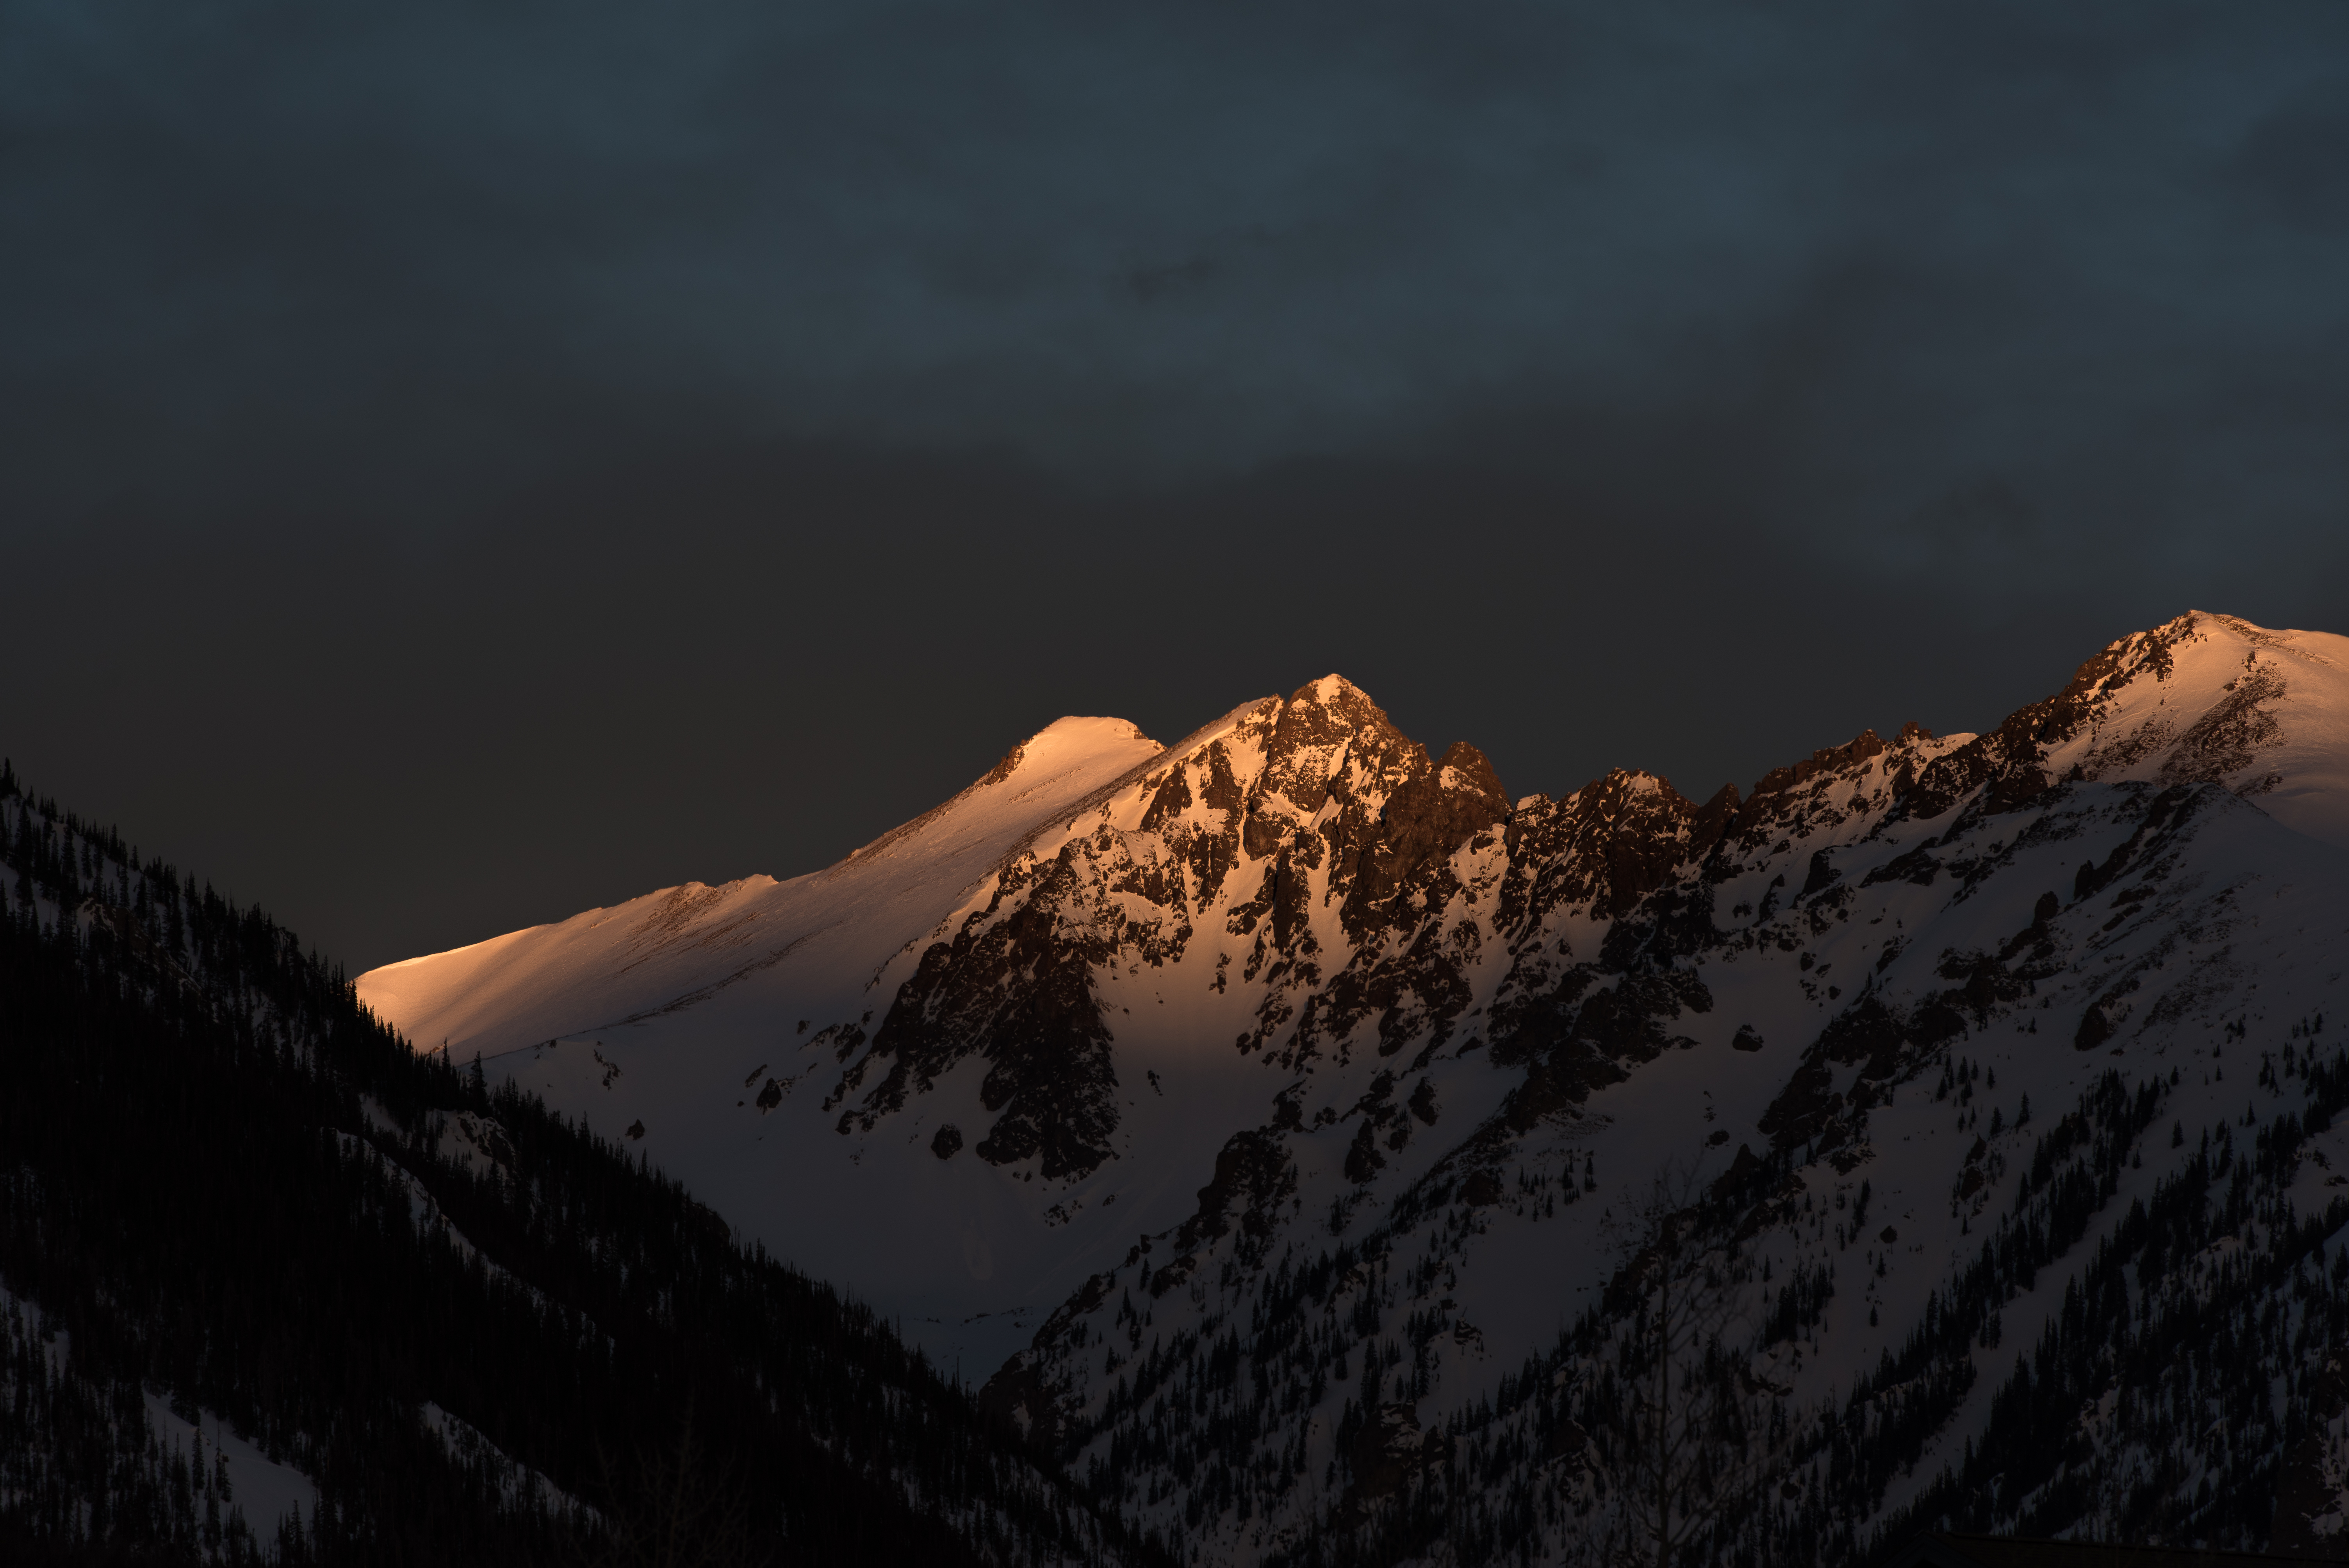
(464, 463)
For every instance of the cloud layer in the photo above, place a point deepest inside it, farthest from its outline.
(1541, 366)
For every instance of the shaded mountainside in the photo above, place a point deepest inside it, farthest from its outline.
(1282, 1116)
(272, 1285)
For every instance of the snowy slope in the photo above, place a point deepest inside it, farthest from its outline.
(680, 946)
(676, 1008)
(2214, 698)
(1293, 1044)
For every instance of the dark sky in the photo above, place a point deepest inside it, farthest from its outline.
(463, 463)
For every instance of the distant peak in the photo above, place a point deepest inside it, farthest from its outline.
(1069, 737)
(1334, 711)
(2152, 651)
(1079, 728)
(1330, 691)
(1341, 699)
(1463, 767)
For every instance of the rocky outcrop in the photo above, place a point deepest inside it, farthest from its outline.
(1013, 985)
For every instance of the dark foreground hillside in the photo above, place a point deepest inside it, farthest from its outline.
(244, 1231)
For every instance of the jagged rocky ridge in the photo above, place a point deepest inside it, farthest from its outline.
(1943, 1026)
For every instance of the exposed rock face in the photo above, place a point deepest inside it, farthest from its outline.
(1360, 890)
(1312, 837)
(1013, 985)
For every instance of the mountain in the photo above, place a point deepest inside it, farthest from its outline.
(1317, 1151)
(275, 1287)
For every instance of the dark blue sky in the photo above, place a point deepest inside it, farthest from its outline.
(460, 463)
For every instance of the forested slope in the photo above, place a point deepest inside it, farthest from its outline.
(279, 1287)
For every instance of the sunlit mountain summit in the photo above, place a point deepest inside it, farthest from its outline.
(1277, 1121)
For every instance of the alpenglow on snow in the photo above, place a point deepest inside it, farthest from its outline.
(1292, 1130)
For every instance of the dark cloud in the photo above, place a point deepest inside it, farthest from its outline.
(462, 461)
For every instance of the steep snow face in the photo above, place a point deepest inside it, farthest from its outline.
(1297, 1050)
(671, 949)
(2206, 699)
(665, 1006)
(2264, 713)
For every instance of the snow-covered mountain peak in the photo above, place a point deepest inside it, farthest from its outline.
(679, 948)
(2212, 698)
(1070, 744)
(1060, 763)
(1208, 1031)
(1329, 730)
